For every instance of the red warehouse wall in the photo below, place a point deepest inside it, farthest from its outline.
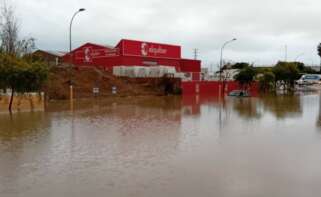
(212, 87)
(190, 65)
(149, 49)
(131, 60)
(130, 53)
(93, 54)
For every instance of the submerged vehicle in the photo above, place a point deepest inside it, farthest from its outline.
(309, 82)
(239, 93)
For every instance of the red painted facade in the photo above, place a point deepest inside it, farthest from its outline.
(214, 87)
(149, 49)
(130, 53)
(140, 53)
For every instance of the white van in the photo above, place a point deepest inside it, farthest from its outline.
(309, 79)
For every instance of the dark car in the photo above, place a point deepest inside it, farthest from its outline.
(239, 93)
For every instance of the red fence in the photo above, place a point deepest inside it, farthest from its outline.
(214, 87)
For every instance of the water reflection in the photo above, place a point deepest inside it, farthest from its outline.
(164, 146)
(319, 113)
(18, 131)
(248, 108)
(282, 106)
(22, 124)
(192, 104)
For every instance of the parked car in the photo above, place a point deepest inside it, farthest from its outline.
(240, 93)
(309, 79)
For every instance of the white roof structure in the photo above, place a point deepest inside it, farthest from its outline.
(54, 53)
(108, 46)
(57, 53)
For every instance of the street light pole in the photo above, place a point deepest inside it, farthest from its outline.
(221, 60)
(70, 54)
(286, 53)
(297, 57)
(72, 19)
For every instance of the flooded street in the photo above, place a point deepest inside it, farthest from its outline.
(164, 146)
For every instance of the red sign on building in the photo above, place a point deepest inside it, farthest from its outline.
(132, 53)
(87, 54)
(148, 49)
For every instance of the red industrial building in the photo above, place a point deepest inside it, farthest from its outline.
(132, 53)
(141, 53)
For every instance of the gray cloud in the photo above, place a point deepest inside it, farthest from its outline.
(263, 28)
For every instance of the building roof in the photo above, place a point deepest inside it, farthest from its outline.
(158, 43)
(54, 53)
(57, 53)
(108, 46)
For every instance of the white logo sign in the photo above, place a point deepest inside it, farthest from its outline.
(145, 50)
(88, 55)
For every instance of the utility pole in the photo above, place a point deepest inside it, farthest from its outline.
(195, 54)
(286, 53)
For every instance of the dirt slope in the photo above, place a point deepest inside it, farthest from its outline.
(86, 79)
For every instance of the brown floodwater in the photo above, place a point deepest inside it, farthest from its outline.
(164, 147)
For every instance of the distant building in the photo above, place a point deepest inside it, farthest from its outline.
(51, 57)
(229, 74)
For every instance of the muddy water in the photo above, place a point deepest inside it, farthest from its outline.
(157, 147)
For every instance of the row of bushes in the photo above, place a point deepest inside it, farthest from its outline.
(285, 72)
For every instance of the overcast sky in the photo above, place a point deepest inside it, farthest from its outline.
(262, 28)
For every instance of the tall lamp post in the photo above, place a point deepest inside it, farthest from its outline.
(70, 49)
(297, 57)
(221, 60)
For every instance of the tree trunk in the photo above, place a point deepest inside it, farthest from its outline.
(11, 100)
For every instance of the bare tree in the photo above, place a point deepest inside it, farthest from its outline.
(8, 29)
(9, 33)
(25, 46)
